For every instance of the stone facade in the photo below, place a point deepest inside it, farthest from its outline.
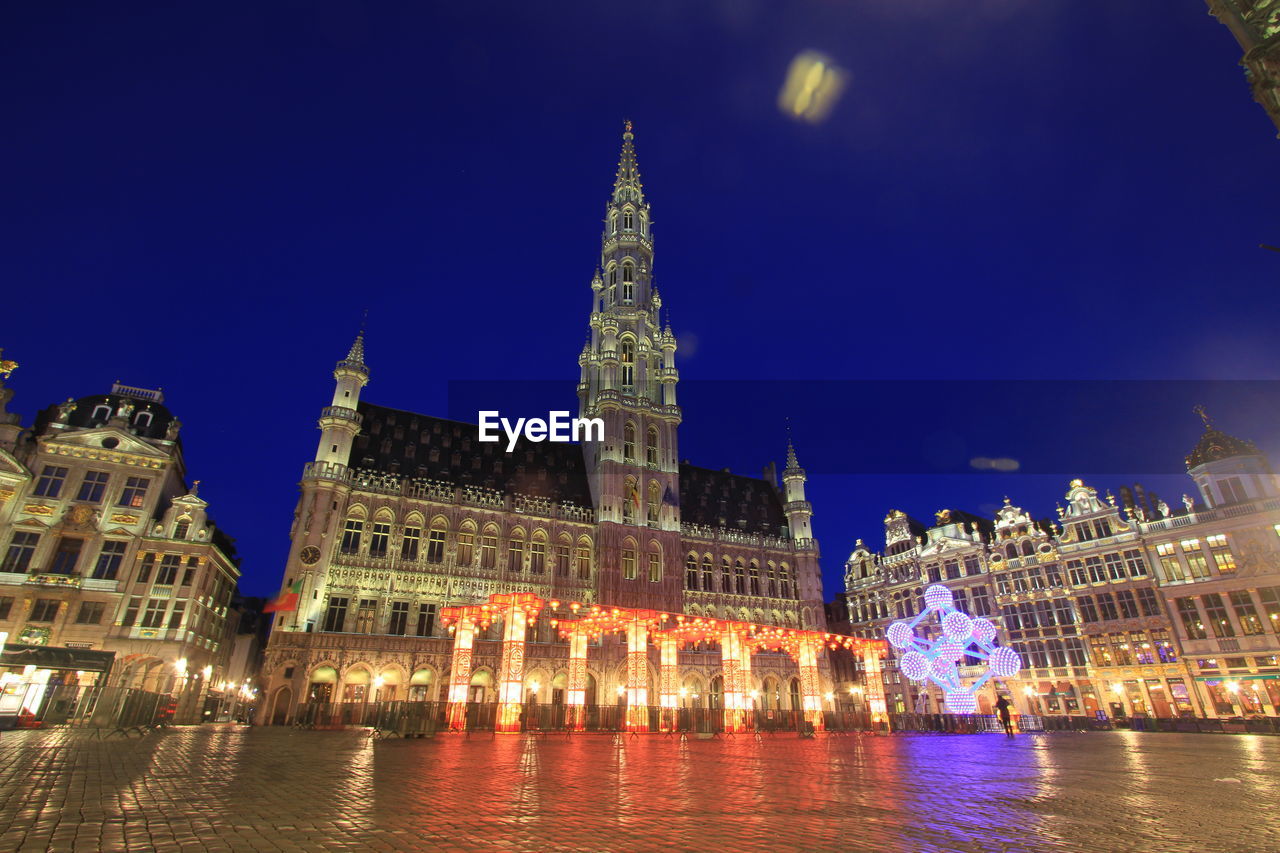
(106, 548)
(1128, 607)
(403, 514)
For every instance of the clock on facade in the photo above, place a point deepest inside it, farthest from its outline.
(309, 555)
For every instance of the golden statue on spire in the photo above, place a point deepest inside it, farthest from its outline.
(1200, 410)
(7, 366)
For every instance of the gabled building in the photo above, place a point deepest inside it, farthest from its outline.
(106, 550)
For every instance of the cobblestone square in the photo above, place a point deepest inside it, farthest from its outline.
(226, 788)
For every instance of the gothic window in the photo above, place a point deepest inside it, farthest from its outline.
(726, 575)
(784, 581)
(754, 578)
(771, 578)
(613, 223)
(351, 536)
(399, 618)
(706, 573)
(379, 538)
(538, 553)
(630, 501)
(628, 369)
(466, 544)
(629, 563)
(409, 543)
(628, 220)
(563, 557)
(489, 547)
(366, 614)
(515, 551)
(435, 542)
(655, 567)
(629, 442)
(426, 619)
(739, 578)
(653, 501)
(651, 447)
(628, 283)
(691, 572)
(583, 559)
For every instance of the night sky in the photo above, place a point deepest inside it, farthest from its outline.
(1021, 221)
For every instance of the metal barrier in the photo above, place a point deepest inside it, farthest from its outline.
(110, 709)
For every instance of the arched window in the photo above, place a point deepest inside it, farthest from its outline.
(726, 575)
(380, 535)
(739, 578)
(538, 553)
(651, 446)
(564, 556)
(784, 580)
(754, 578)
(613, 222)
(143, 420)
(772, 579)
(628, 360)
(489, 547)
(1028, 549)
(1011, 551)
(628, 560)
(628, 220)
(351, 533)
(691, 572)
(101, 413)
(655, 562)
(629, 442)
(654, 498)
(630, 501)
(182, 528)
(466, 543)
(583, 558)
(706, 573)
(628, 282)
(435, 541)
(515, 551)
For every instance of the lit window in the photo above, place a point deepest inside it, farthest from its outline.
(1222, 556)
(628, 564)
(134, 493)
(351, 533)
(655, 568)
(379, 537)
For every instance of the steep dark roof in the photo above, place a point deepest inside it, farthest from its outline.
(721, 499)
(1216, 444)
(408, 444)
(82, 416)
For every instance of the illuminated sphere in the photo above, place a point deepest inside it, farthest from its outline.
(983, 631)
(949, 650)
(961, 702)
(900, 635)
(943, 669)
(957, 626)
(914, 666)
(1004, 662)
(937, 597)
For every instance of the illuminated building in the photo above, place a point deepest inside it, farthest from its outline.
(106, 550)
(1256, 26)
(1123, 609)
(407, 521)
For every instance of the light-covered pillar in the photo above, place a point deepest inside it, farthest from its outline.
(576, 697)
(745, 685)
(874, 688)
(731, 663)
(464, 636)
(638, 676)
(810, 695)
(511, 669)
(668, 681)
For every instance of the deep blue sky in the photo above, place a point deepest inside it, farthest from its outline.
(206, 198)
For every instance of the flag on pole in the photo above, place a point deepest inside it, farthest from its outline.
(635, 497)
(669, 497)
(286, 600)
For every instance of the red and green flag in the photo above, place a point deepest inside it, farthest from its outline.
(287, 600)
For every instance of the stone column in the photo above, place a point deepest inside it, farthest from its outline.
(637, 676)
(874, 689)
(511, 670)
(460, 671)
(668, 681)
(810, 694)
(576, 697)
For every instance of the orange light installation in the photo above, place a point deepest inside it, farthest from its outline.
(875, 687)
(668, 675)
(810, 697)
(730, 661)
(460, 672)
(638, 674)
(577, 693)
(519, 609)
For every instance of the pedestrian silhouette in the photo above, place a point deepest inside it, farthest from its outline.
(1002, 708)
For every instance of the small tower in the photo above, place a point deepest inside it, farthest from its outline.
(1228, 470)
(10, 422)
(799, 511)
(339, 421)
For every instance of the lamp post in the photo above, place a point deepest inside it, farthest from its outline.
(179, 691)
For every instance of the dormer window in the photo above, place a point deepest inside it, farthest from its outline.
(182, 528)
(101, 413)
(628, 220)
(143, 420)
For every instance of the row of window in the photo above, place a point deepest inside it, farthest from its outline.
(1195, 556)
(562, 558)
(1142, 648)
(1117, 566)
(92, 487)
(738, 578)
(905, 605)
(950, 569)
(68, 549)
(629, 442)
(1123, 604)
(1214, 618)
(366, 614)
(1041, 654)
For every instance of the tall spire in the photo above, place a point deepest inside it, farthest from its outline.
(355, 356)
(626, 185)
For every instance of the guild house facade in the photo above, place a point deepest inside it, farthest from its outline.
(429, 565)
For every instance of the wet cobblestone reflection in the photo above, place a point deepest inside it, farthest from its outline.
(278, 789)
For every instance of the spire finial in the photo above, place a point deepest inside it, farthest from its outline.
(792, 461)
(1200, 410)
(7, 366)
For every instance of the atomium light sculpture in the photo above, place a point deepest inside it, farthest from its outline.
(938, 660)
